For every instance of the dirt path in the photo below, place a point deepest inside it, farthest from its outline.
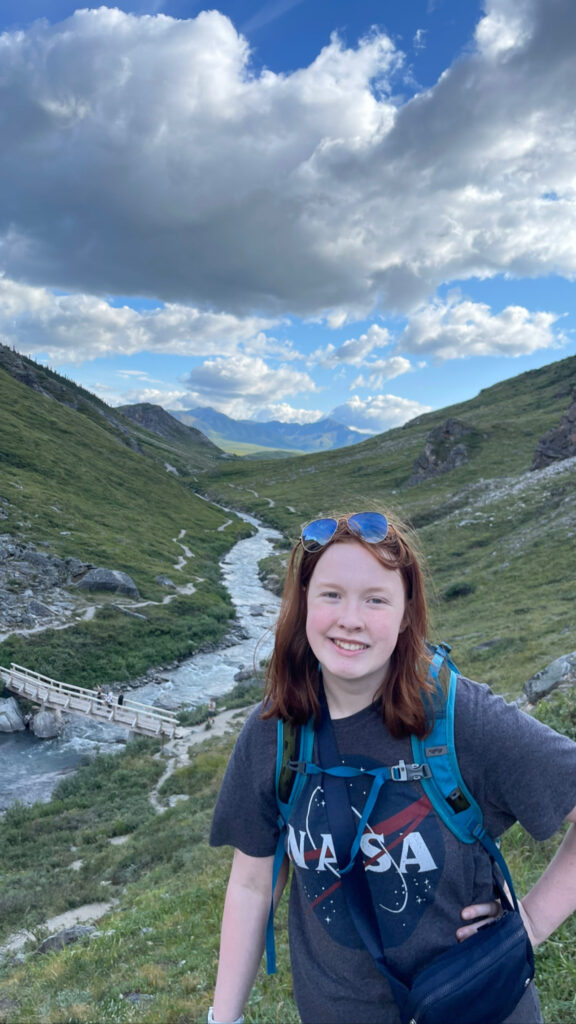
(176, 749)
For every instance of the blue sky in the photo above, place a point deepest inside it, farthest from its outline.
(289, 208)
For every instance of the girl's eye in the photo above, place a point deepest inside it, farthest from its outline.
(330, 594)
(376, 600)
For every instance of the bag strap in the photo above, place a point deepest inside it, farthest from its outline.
(288, 785)
(344, 837)
(444, 785)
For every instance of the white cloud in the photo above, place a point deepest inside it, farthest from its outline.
(286, 414)
(72, 328)
(377, 413)
(458, 329)
(380, 370)
(144, 156)
(353, 351)
(240, 384)
(168, 399)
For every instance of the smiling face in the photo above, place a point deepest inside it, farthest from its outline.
(355, 612)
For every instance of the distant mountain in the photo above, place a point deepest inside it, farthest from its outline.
(158, 421)
(322, 435)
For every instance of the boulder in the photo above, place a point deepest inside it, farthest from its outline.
(11, 719)
(561, 672)
(65, 938)
(46, 725)
(165, 581)
(109, 580)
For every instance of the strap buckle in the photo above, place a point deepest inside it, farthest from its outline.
(403, 772)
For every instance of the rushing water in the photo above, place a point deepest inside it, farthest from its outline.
(31, 768)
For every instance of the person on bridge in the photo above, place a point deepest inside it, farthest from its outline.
(350, 647)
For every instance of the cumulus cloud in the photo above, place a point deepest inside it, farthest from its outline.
(168, 399)
(377, 413)
(240, 384)
(286, 414)
(459, 329)
(72, 328)
(380, 370)
(145, 156)
(353, 351)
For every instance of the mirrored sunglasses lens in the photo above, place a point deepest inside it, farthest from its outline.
(371, 526)
(316, 534)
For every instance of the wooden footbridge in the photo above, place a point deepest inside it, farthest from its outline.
(55, 696)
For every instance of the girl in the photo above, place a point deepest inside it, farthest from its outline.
(352, 627)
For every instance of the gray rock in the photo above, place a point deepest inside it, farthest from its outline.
(11, 719)
(109, 580)
(165, 581)
(75, 568)
(46, 725)
(65, 938)
(41, 611)
(244, 674)
(561, 672)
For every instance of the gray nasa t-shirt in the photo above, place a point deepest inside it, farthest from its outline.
(420, 876)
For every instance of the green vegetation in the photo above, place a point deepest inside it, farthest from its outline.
(114, 647)
(249, 450)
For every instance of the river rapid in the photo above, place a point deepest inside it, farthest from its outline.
(31, 768)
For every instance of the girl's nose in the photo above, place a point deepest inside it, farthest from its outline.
(349, 617)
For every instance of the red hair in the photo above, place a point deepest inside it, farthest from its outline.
(292, 676)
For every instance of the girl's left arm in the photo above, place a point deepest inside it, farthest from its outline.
(550, 901)
(553, 898)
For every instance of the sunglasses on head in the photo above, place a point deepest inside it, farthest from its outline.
(371, 527)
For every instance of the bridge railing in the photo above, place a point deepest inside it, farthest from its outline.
(68, 697)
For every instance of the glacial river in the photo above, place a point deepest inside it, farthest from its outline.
(31, 768)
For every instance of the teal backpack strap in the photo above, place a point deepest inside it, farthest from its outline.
(294, 743)
(445, 787)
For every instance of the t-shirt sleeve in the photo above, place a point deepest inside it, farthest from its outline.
(246, 814)
(517, 768)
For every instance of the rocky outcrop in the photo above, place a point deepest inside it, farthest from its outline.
(46, 725)
(558, 443)
(447, 447)
(11, 718)
(561, 672)
(110, 581)
(32, 585)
